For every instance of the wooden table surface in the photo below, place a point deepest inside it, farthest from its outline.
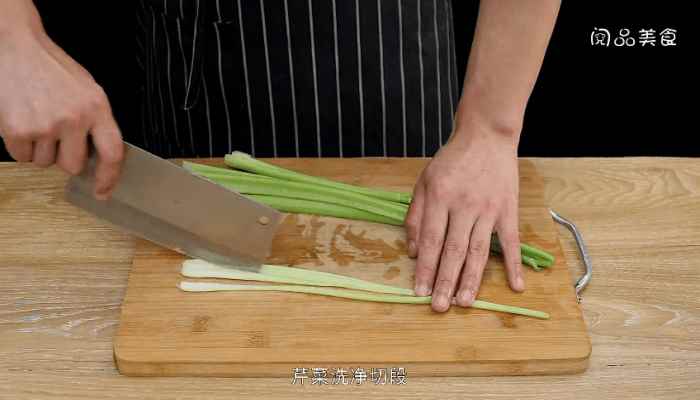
(63, 276)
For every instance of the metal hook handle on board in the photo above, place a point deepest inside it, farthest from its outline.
(586, 278)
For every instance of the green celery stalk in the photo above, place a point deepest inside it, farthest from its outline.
(203, 169)
(542, 257)
(530, 255)
(229, 178)
(306, 191)
(299, 206)
(527, 260)
(245, 162)
(351, 294)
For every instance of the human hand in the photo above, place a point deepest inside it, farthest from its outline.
(49, 104)
(468, 190)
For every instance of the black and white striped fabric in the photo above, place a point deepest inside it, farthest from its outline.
(291, 78)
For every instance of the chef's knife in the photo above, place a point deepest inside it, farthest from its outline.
(166, 204)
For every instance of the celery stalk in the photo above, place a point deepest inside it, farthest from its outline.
(281, 274)
(299, 206)
(543, 258)
(245, 162)
(305, 191)
(204, 170)
(351, 294)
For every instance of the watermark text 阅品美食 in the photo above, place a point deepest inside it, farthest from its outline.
(625, 37)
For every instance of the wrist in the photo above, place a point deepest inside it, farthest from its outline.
(489, 111)
(474, 124)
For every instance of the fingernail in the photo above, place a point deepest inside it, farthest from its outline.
(412, 248)
(422, 289)
(441, 303)
(520, 282)
(102, 189)
(466, 297)
(102, 194)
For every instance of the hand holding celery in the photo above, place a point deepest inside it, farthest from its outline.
(291, 191)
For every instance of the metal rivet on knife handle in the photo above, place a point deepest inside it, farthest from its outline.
(264, 220)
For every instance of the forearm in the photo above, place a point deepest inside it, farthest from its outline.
(19, 17)
(509, 45)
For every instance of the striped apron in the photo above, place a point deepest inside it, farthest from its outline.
(295, 78)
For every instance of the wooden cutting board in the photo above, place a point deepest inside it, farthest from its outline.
(167, 332)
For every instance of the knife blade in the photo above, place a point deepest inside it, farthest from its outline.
(162, 202)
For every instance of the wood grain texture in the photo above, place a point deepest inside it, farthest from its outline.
(166, 332)
(64, 275)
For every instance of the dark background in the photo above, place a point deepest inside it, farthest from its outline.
(588, 101)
